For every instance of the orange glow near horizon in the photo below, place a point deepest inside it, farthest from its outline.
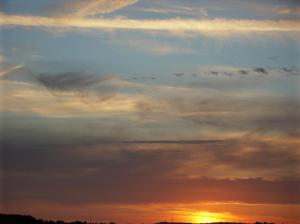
(209, 217)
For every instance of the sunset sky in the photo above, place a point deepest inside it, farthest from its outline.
(137, 111)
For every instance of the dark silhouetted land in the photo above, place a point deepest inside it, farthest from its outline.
(27, 219)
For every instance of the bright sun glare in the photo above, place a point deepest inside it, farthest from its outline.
(207, 217)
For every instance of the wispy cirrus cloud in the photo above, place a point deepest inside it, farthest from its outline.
(150, 45)
(177, 9)
(196, 25)
(88, 8)
(271, 8)
(5, 71)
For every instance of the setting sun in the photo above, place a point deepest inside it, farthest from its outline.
(208, 217)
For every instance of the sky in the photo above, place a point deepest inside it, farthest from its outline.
(137, 111)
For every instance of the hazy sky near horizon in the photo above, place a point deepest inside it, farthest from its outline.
(134, 110)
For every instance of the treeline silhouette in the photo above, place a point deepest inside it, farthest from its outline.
(27, 219)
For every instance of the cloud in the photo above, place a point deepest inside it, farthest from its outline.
(258, 114)
(88, 8)
(291, 70)
(165, 8)
(214, 25)
(91, 143)
(138, 43)
(2, 59)
(144, 78)
(179, 74)
(120, 190)
(261, 70)
(247, 157)
(243, 72)
(69, 81)
(275, 9)
(5, 71)
(286, 10)
(214, 104)
(234, 71)
(116, 157)
(125, 168)
(176, 142)
(79, 86)
(68, 94)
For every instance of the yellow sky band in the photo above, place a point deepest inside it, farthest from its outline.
(214, 25)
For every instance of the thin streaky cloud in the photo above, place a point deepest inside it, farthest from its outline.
(268, 8)
(214, 25)
(86, 8)
(4, 72)
(177, 142)
(184, 10)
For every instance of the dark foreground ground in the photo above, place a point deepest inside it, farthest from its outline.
(26, 219)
